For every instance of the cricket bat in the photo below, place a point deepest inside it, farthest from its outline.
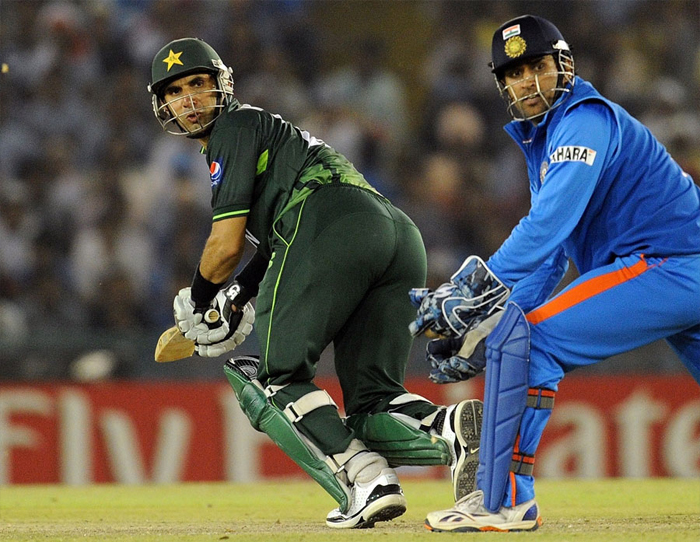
(173, 345)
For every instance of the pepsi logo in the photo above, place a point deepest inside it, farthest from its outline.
(215, 172)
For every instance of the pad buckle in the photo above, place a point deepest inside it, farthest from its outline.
(296, 410)
(523, 464)
(540, 398)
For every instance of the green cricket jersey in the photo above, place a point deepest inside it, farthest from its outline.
(345, 260)
(261, 166)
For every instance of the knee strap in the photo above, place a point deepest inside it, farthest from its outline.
(505, 399)
(296, 410)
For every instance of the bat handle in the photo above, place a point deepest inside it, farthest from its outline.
(211, 316)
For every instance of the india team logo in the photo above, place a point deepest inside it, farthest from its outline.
(515, 46)
(215, 172)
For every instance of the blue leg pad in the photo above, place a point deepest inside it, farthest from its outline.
(505, 398)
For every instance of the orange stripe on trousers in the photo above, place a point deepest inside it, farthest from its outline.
(585, 291)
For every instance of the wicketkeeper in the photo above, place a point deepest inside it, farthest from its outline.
(334, 260)
(606, 194)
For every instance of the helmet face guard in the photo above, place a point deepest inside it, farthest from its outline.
(565, 81)
(522, 39)
(180, 58)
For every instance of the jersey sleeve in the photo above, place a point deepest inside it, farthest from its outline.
(536, 288)
(232, 154)
(576, 155)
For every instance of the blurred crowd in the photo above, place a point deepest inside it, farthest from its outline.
(103, 217)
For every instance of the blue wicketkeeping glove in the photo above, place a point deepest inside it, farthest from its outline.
(473, 293)
(439, 353)
(458, 359)
(438, 311)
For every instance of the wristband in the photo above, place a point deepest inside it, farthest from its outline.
(253, 273)
(203, 290)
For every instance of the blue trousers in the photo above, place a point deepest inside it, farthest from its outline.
(610, 310)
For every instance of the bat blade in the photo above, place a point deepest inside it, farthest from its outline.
(172, 345)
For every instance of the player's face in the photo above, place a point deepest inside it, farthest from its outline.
(192, 100)
(531, 85)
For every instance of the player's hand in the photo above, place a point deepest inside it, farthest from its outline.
(458, 359)
(448, 366)
(227, 315)
(439, 353)
(439, 312)
(473, 294)
(239, 325)
(485, 292)
(189, 321)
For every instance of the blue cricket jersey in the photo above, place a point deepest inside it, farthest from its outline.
(602, 186)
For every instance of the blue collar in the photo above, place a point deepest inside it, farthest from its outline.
(523, 131)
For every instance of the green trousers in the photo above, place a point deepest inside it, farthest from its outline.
(342, 265)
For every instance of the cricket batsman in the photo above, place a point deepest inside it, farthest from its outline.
(333, 262)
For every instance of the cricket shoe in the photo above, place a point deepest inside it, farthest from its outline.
(380, 499)
(462, 429)
(470, 515)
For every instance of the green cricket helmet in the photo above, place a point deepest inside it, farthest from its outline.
(180, 58)
(529, 37)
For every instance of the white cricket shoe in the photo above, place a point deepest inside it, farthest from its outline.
(380, 499)
(469, 514)
(462, 429)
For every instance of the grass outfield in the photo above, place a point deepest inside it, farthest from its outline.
(576, 510)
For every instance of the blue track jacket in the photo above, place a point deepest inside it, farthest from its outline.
(601, 186)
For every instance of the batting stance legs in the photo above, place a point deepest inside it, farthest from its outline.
(527, 356)
(342, 263)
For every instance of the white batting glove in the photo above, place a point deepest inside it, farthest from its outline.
(243, 321)
(222, 317)
(189, 322)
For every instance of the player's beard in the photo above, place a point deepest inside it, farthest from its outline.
(200, 123)
(196, 119)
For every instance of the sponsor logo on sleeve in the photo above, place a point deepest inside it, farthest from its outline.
(215, 172)
(571, 153)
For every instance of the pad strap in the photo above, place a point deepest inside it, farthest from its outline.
(337, 462)
(272, 389)
(540, 398)
(425, 423)
(522, 464)
(406, 398)
(296, 410)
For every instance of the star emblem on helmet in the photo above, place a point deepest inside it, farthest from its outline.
(515, 46)
(173, 58)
